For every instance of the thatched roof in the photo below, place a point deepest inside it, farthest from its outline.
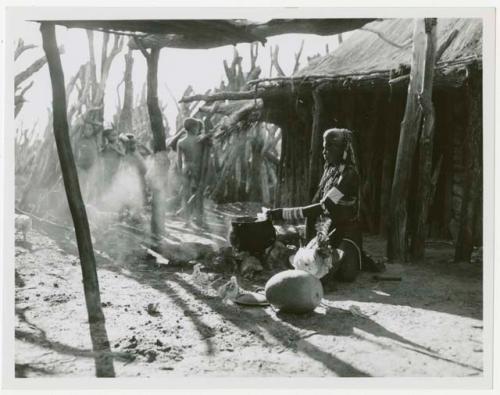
(365, 59)
(365, 52)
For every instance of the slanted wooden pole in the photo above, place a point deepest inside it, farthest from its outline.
(410, 128)
(425, 188)
(98, 334)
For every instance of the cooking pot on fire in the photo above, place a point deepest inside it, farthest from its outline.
(252, 234)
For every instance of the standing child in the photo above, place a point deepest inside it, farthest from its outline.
(190, 161)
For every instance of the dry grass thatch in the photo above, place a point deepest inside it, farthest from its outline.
(365, 52)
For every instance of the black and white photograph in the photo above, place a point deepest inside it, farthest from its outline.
(264, 194)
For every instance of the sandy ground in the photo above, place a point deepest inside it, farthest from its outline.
(428, 324)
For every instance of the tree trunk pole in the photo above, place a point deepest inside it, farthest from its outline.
(425, 188)
(152, 100)
(100, 343)
(125, 122)
(410, 127)
(159, 145)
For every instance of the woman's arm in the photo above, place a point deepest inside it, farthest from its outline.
(296, 213)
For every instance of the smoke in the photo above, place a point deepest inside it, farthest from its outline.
(158, 170)
(120, 213)
(122, 202)
(127, 191)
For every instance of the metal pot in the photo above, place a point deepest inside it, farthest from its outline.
(251, 234)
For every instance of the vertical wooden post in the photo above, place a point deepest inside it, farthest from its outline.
(152, 99)
(295, 156)
(387, 168)
(472, 165)
(315, 157)
(159, 144)
(278, 199)
(125, 122)
(410, 127)
(425, 190)
(100, 343)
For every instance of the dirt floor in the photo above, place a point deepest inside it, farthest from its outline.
(428, 324)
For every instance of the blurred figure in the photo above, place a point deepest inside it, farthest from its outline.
(112, 153)
(86, 151)
(190, 153)
(133, 162)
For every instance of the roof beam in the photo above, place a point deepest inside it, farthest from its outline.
(209, 33)
(260, 32)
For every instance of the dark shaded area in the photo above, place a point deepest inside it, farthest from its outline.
(242, 318)
(19, 282)
(340, 322)
(336, 322)
(279, 331)
(23, 369)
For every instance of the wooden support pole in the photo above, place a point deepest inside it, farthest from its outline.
(98, 334)
(472, 165)
(410, 127)
(125, 122)
(387, 170)
(161, 162)
(152, 99)
(425, 189)
(315, 158)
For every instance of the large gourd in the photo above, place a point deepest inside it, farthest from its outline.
(294, 291)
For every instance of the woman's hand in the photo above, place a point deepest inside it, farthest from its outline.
(322, 239)
(323, 242)
(275, 214)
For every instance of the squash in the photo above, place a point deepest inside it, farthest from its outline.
(294, 291)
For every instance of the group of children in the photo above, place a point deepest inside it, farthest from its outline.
(101, 155)
(105, 157)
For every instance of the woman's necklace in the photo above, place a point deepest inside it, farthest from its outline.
(330, 176)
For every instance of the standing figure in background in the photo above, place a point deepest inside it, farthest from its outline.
(112, 153)
(128, 191)
(133, 162)
(86, 151)
(190, 152)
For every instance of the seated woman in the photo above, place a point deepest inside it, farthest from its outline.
(334, 214)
